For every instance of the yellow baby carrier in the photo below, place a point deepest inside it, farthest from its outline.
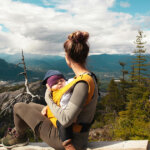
(57, 95)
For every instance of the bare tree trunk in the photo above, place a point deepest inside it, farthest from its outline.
(26, 91)
(26, 78)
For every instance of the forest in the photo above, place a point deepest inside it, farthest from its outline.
(124, 113)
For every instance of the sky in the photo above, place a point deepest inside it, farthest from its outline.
(42, 26)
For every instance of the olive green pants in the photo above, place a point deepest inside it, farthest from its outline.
(29, 115)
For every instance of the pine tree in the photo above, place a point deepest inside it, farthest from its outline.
(124, 85)
(113, 101)
(132, 73)
(134, 122)
(139, 62)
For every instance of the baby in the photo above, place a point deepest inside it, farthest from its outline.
(55, 80)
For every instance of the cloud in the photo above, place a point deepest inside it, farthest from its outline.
(43, 30)
(46, 2)
(124, 4)
(51, 3)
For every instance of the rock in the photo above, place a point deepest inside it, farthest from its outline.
(36, 88)
(10, 97)
(119, 145)
(32, 146)
(103, 145)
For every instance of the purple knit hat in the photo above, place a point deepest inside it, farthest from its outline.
(53, 79)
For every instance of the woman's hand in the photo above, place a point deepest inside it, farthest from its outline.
(47, 94)
(48, 87)
(44, 111)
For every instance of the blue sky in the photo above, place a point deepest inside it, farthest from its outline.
(4, 29)
(43, 3)
(37, 2)
(42, 26)
(127, 6)
(132, 6)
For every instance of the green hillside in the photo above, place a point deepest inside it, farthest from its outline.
(9, 71)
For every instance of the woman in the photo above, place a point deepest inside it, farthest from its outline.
(79, 111)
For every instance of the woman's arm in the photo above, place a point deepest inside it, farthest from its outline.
(67, 116)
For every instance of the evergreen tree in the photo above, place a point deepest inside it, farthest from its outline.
(132, 73)
(134, 122)
(124, 85)
(113, 101)
(139, 63)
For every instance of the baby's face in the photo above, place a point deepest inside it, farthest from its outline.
(59, 84)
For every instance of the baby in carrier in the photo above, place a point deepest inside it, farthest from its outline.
(55, 80)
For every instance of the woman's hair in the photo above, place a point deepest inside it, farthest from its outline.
(76, 46)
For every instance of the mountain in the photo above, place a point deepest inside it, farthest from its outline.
(105, 65)
(15, 58)
(109, 63)
(9, 71)
(100, 63)
(43, 64)
(39, 63)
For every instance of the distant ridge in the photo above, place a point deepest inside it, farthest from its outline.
(39, 64)
(100, 63)
(10, 72)
(109, 63)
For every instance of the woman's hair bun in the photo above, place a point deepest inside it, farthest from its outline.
(79, 36)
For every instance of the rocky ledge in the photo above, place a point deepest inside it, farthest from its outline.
(103, 145)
